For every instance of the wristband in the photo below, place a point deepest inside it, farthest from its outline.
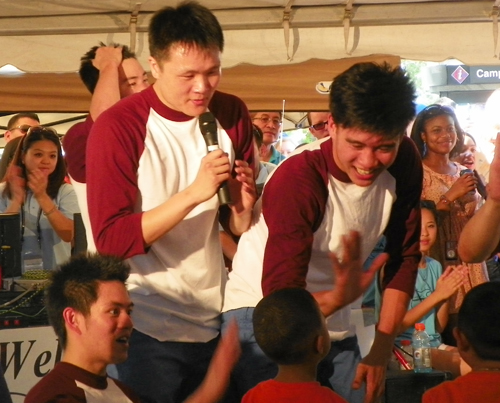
(46, 214)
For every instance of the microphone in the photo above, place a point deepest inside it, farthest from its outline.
(208, 128)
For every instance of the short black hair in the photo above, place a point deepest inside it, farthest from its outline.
(258, 136)
(286, 324)
(76, 284)
(478, 319)
(13, 120)
(189, 23)
(431, 206)
(375, 98)
(431, 112)
(90, 74)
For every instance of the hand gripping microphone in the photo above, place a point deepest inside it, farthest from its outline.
(208, 128)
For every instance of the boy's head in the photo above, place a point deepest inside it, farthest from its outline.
(290, 328)
(132, 78)
(76, 286)
(478, 328)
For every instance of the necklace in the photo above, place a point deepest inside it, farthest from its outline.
(486, 369)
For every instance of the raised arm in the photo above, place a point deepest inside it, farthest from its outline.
(481, 235)
(446, 286)
(107, 90)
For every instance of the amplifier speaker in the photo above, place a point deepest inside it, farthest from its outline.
(408, 386)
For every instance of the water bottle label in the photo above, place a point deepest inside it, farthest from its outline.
(417, 354)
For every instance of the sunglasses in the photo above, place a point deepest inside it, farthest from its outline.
(23, 128)
(40, 129)
(318, 126)
(434, 110)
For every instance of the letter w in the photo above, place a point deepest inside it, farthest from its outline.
(16, 356)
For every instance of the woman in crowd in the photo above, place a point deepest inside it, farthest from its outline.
(439, 138)
(467, 158)
(35, 188)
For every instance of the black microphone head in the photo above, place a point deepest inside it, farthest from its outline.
(208, 128)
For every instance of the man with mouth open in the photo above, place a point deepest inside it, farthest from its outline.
(89, 308)
(366, 178)
(152, 197)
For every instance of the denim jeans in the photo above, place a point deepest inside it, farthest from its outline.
(164, 371)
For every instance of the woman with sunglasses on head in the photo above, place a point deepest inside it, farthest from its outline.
(34, 187)
(452, 186)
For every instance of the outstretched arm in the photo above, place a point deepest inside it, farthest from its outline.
(226, 355)
(481, 235)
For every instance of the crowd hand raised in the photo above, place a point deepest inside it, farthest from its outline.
(351, 280)
(242, 187)
(17, 183)
(450, 281)
(214, 169)
(105, 55)
(463, 185)
(493, 186)
(38, 182)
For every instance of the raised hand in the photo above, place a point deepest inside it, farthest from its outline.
(493, 186)
(450, 281)
(17, 185)
(38, 182)
(350, 280)
(105, 55)
(463, 185)
(243, 192)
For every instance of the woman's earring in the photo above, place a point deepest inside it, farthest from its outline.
(424, 150)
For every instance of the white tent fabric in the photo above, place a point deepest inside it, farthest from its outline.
(51, 35)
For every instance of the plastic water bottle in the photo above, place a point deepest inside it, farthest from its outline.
(421, 349)
(406, 346)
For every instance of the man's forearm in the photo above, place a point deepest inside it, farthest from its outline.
(481, 234)
(394, 307)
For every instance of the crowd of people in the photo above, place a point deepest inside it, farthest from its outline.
(250, 301)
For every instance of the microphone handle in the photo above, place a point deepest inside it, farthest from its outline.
(223, 193)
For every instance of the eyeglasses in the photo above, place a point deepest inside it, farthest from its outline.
(318, 126)
(23, 128)
(267, 119)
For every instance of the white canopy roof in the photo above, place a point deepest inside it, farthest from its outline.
(51, 35)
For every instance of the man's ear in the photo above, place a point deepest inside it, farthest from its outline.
(155, 67)
(462, 342)
(332, 127)
(72, 320)
(7, 135)
(320, 345)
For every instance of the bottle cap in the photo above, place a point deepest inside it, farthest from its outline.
(420, 326)
(405, 342)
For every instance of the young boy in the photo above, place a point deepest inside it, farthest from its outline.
(478, 341)
(291, 330)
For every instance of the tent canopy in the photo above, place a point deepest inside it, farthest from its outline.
(51, 35)
(272, 47)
